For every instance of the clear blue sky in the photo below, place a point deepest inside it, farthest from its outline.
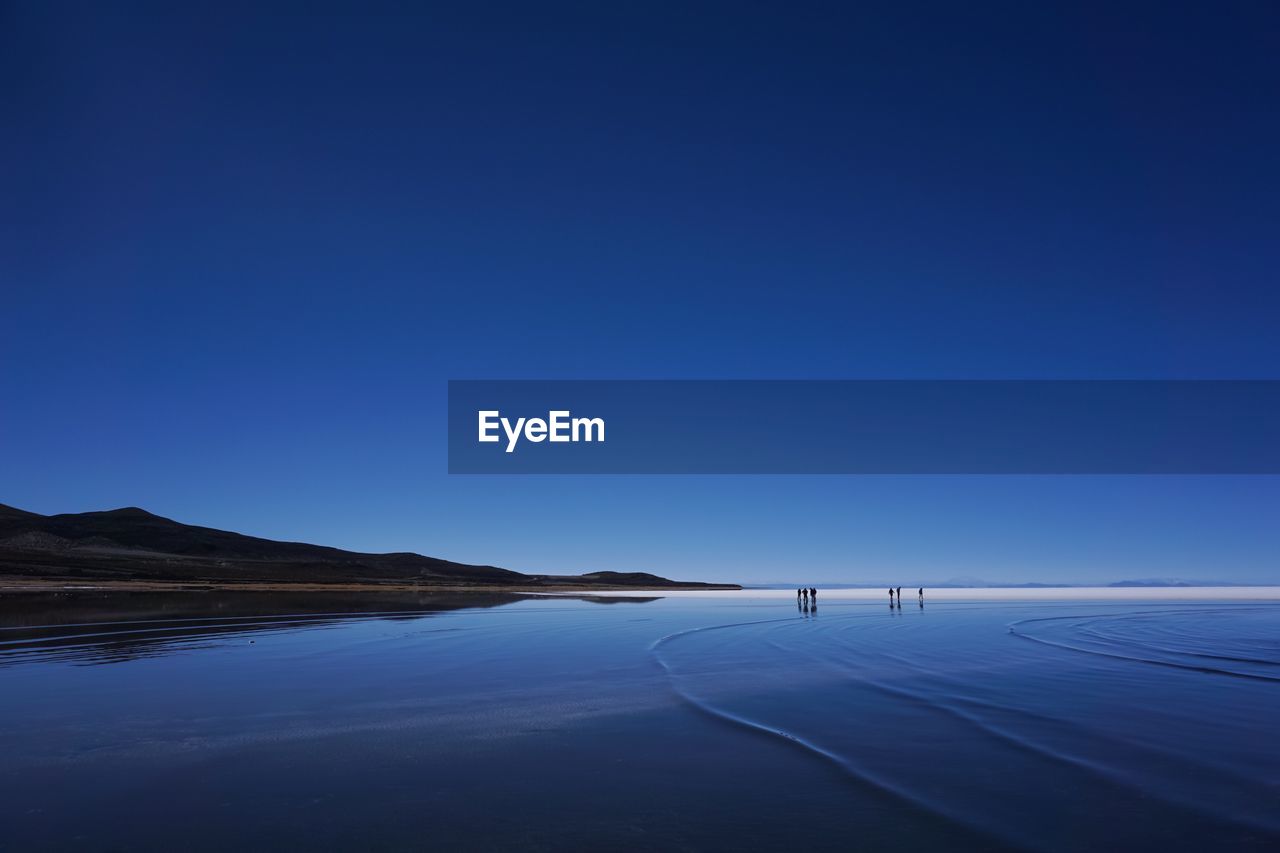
(243, 251)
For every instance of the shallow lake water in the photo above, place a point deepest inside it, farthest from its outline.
(216, 721)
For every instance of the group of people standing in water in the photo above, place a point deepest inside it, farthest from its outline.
(807, 599)
(895, 596)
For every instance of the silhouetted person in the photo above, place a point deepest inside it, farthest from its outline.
(890, 596)
(922, 593)
(813, 594)
(798, 594)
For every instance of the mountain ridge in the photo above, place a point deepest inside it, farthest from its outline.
(131, 543)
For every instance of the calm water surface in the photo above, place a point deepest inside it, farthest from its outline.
(387, 722)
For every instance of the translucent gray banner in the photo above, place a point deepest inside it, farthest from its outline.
(864, 427)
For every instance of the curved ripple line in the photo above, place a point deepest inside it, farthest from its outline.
(851, 770)
(1013, 629)
(1146, 749)
(1088, 765)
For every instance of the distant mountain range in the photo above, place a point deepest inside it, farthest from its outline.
(131, 544)
(1148, 582)
(976, 583)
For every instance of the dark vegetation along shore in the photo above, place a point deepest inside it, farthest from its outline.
(134, 548)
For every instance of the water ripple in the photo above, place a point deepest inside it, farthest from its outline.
(1023, 746)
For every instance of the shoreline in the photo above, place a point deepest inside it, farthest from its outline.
(866, 595)
(26, 584)
(21, 584)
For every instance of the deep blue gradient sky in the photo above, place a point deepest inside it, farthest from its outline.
(243, 251)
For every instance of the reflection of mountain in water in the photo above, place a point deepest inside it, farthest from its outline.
(86, 627)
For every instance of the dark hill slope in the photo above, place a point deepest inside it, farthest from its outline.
(131, 543)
